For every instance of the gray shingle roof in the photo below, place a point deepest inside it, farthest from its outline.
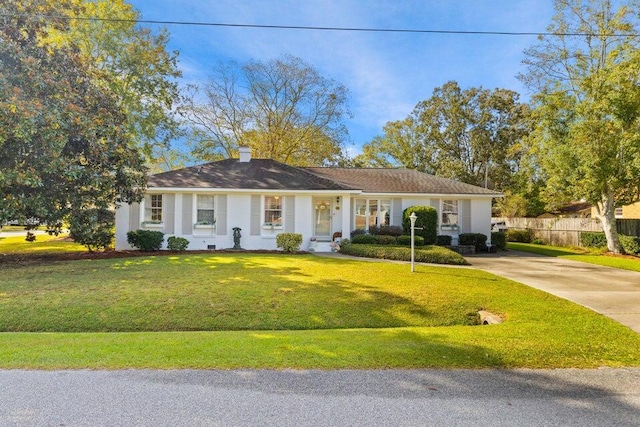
(262, 174)
(398, 181)
(266, 174)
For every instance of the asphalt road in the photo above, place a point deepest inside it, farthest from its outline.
(600, 397)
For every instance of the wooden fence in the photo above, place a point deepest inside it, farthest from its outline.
(566, 231)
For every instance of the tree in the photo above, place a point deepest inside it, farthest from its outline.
(131, 62)
(64, 144)
(588, 107)
(471, 135)
(283, 109)
(402, 144)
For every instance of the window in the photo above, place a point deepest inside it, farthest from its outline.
(618, 213)
(361, 214)
(371, 213)
(273, 211)
(153, 208)
(205, 212)
(449, 212)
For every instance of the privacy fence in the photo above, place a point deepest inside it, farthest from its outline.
(566, 231)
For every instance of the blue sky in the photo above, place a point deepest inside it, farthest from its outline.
(387, 74)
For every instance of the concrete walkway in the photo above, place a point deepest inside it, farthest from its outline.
(612, 292)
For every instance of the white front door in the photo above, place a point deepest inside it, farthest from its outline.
(322, 219)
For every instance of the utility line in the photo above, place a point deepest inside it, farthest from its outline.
(315, 28)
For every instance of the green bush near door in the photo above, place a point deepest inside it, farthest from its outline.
(427, 220)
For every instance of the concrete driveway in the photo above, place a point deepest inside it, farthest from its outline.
(610, 291)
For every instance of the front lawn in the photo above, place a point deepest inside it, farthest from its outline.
(578, 254)
(44, 244)
(276, 311)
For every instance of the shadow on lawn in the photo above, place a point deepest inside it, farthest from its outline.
(240, 293)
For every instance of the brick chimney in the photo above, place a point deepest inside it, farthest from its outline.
(245, 154)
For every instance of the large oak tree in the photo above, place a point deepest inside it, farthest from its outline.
(132, 62)
(64, 140)
(587, 102)
(472, 135)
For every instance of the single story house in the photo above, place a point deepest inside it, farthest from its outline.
(264, 197)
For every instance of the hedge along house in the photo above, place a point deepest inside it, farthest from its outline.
(264, 197)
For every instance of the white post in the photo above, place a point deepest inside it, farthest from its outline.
(413, 218)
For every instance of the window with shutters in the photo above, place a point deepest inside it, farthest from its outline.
(152, 209)
(205, 210)
(272, 213)
(449, 213)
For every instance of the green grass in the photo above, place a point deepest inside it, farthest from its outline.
(579, 254)
(274, 311)
(44, 244)
(18, 228)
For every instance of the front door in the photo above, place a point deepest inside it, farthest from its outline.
(322, 220)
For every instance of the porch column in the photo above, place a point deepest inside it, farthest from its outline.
(346, 217)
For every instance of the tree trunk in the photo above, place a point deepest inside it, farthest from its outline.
(606, 215)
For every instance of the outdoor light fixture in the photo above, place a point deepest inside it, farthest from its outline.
(413, 218)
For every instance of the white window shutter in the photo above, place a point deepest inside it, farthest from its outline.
(289, 214)
(256, 215)
(221, 215)
(187, 214)
(134, 216)
(169, 213)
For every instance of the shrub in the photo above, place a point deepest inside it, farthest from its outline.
(388, 230)
(384, 239)
(289, 242)
(427, 220)
(374, 229)
(630, 244)
(593, 239)
(538, 242)
(406, 240)
(522, 236)
(145, 240)
(358, 232)
(430, 254)
(363, 239)
(443, 240)
(478, 240)
(499, 240)
(177, 243)
(93, 228)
